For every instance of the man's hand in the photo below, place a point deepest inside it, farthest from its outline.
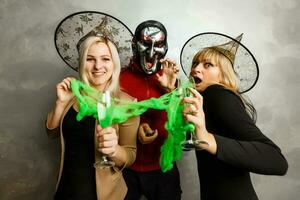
(146, 135)
(168, 75)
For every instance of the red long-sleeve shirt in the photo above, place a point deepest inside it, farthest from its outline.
(142, 86)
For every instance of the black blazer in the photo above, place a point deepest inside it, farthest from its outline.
(241, 148)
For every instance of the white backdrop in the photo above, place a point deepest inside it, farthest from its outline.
(30, 67)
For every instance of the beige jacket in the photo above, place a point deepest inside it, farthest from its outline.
(109, 182)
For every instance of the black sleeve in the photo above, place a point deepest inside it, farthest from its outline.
(241, 144)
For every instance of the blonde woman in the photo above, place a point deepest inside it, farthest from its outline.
(83, 142)
(236, 146)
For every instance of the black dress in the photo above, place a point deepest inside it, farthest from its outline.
(241, 148)
(78, 176)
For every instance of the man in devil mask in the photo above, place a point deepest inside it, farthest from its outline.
(150, 75)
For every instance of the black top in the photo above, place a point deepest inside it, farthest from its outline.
(78, 176)
(241, 148)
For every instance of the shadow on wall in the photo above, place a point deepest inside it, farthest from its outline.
(29, 159)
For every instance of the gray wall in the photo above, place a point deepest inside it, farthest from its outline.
(30, 67)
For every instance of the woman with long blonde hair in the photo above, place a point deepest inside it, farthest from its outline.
(234, 146)
(84, 142)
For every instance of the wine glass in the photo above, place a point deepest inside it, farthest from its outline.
(191, 142)
(103, 104)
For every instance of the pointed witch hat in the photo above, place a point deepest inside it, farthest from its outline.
(242, 60)
(230, 48)
(75, 28)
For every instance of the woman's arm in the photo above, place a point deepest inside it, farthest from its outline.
(239, 142)
(53, 120)
(120, 147)
(126, 149)
(64, 96)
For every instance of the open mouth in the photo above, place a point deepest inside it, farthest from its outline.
(149, 63)
(197, 80)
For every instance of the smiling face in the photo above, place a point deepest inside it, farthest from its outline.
(99, 65)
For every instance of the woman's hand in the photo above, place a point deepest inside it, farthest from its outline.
(193, 113)
(107, 140)
(63, 90)
(168, 75)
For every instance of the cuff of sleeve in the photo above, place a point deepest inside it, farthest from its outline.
(52, 133)
(221, 143)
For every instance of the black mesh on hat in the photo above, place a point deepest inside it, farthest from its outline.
(79, 25)
(244, 63)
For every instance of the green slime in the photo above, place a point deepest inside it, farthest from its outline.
(120, 111)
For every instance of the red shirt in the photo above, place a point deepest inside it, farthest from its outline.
(142, 86)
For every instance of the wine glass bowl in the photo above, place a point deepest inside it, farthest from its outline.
(191, 142)
(103, 105)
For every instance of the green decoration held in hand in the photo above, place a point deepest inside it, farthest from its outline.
(119, 111)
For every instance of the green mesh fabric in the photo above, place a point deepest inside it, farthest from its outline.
(121, 110)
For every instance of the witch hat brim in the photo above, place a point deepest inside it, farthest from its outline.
(77, 25)
(244, 63)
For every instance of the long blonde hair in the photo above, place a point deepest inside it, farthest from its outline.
(228, 76)
(113, 84)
